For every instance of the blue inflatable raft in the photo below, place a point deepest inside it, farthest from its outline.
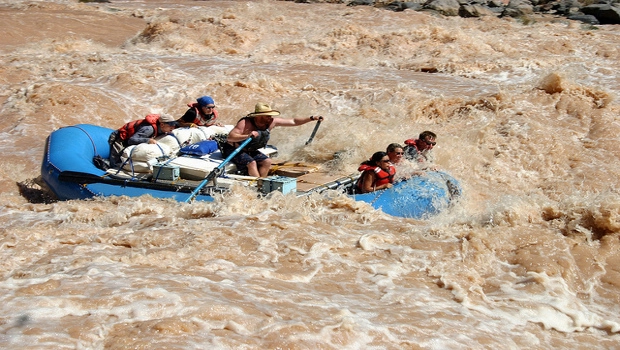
(69, 171)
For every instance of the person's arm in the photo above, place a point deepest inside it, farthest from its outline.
(295, 121)
(367, 181)
(188, 118)
(237, 134)
(383, 187)
(144, 134)
(368, 177)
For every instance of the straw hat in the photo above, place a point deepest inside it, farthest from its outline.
(263, 109)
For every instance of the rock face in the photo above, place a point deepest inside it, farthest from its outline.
(605, 13)
(600, 12)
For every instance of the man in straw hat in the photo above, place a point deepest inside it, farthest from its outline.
(257, 125)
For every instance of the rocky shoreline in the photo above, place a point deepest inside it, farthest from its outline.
(593, 12)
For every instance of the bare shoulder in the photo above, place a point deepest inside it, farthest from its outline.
(241, 122)
(240, 128)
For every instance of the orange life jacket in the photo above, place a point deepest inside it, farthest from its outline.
(201, 118)
(382, 177)
(127, 130)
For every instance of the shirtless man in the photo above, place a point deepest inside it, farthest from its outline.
(257, 125)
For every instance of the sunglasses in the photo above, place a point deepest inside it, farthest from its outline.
(209, 107)
(430, 143)
(399, 153)
(385, 160)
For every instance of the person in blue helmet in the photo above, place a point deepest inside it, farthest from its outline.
(200, 113)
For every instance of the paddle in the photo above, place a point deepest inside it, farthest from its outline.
(217, 170)
(87, 178)
(316, 127)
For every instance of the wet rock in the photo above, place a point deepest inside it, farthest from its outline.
(398, 6)
(445, 7)
(589, 19)
(361, 3)
(566, 7)
(475, 10)
(518, 8)
(601, 12)
(605, 13)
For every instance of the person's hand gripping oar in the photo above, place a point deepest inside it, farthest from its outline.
(316, 127)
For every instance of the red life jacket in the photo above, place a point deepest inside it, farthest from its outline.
(201, 118)
(412, 143)
(127, 130)
(382, 177)
(412, 150)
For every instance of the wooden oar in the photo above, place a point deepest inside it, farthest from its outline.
(218, 170)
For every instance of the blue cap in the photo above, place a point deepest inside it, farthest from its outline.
(205, 101)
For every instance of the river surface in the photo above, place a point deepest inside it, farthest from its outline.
(527, 118)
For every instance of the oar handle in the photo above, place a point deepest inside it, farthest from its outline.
(218, 169)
